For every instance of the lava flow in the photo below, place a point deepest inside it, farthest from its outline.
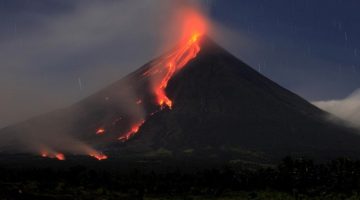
(174, 62)
(193, 25)
(100, 131)
(58, 156)
(98, 156)
(134, 129)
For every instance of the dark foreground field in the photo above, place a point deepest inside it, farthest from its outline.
(37, 178)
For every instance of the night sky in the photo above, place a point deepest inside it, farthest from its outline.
(311, 47)
(56, 52)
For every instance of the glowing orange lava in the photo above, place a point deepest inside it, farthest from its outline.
(134, 129)
(58, 156)
(98, 156)
(44, 155)
(174, 62)
(192, 26)
(100, 131)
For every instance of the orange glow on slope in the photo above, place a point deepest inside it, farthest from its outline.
(44, 155)
(134, 129)
(61, 157)
(175, 62)
(98, 156)
(58, 156)
(193, 27)
(100, 131)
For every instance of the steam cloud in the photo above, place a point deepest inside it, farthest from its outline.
(347, 109)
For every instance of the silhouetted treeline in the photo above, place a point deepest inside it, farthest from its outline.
(295, 177)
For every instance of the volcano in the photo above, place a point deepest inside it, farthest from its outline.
(220, 109)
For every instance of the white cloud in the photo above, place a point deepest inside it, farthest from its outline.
(347, 108)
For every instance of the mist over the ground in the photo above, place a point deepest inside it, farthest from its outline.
(347, 108)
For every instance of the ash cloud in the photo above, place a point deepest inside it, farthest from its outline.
(347, 108)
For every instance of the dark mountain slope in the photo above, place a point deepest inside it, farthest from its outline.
(222, 109)
(220, 101)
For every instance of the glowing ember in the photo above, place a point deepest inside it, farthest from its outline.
(100, 131)
(99, 156)
(134, 129)
(60, 156)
